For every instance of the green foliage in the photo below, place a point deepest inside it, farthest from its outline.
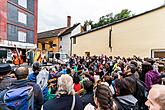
(109, 18)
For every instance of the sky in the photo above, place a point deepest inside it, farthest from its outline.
(52, 14)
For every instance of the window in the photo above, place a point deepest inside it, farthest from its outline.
(22, 17)
(43, 46)
(22, 36)
(23, 3)
(60, 38)
(74, 40)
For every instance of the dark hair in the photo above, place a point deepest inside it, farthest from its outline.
(36, 67)
(104, 96)
(134, 62)
(88, 85)
(132, 67)
(125, 86)
(76, 78)
(161, 68)
(146, 66)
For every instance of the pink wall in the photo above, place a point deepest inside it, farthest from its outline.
(3, 19)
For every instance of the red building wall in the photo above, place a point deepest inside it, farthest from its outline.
(3, 19)
(35, 20)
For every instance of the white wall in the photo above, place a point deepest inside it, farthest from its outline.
(66, 42)
(76, 30)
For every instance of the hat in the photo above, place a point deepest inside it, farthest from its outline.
(4, 68)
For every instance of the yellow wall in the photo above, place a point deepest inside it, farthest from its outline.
(136, 36)
(47, 46)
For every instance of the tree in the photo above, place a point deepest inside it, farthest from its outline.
(125, 13)
(87, 22)
(109, 18)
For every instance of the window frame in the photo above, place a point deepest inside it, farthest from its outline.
(23, 3)
(21, 37)
(22, 18)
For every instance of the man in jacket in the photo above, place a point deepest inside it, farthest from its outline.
(21, 74)
(5, 81)
(5, 78)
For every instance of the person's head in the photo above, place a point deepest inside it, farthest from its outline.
(107, 65)
(36, 67)
(134, 62)
(146, 66)
(103, 96)
(156, 98)
(150, 60)
(65, 85)
(21, 73)
(130, 68)
(76, 78)
(88, 85)
(161, 68)
(5, 69)
(125, 86)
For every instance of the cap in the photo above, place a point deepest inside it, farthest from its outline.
(4, 68)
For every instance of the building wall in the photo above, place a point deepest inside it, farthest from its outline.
(95, 42)
(66, 42)
(9, 24)
(3, 19)
(76, 30)
(47, 46)
(14, 25)
(136, 36)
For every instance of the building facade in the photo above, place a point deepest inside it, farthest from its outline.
(18, 25)
(65, 42)
(142, 35)
(48, 41)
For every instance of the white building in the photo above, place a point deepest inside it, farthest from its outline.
(65, 42)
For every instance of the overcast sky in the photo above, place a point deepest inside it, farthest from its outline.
(53, 13)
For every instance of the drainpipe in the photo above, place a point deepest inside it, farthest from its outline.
(70, 46)
(110, 39)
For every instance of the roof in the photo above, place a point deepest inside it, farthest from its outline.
(69, 30)
(110, 24)
(51, 33)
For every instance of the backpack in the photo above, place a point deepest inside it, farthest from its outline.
(141, 94)
(127, 102)
(18, 98)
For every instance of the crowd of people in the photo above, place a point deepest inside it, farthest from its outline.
(85, 83)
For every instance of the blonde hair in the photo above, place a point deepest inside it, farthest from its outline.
(65, 85)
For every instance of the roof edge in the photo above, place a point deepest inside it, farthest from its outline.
(110, 24)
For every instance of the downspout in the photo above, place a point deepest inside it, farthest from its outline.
(71, 46)
(110, 39)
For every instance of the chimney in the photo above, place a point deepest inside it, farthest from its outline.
(68, 21)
